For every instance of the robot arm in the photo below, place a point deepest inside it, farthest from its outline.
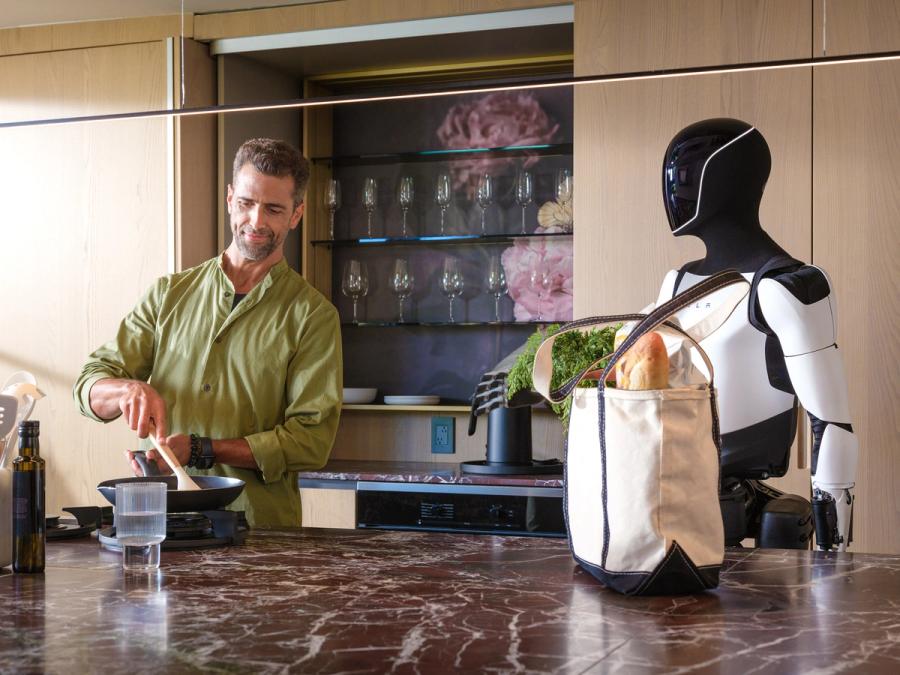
(799, 308)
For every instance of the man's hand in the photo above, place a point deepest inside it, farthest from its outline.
(139, 403)
(142, 407)
(179, 444)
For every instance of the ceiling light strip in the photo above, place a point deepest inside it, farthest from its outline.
(347, 99)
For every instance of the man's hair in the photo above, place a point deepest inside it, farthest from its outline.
(274, 158)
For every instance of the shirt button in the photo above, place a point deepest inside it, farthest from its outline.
(206, 387)
(227, 294)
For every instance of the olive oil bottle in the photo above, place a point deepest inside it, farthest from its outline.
(29, 518)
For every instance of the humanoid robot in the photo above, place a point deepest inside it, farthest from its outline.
(777, 348)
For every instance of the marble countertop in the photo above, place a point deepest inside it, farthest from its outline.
(378, 601)
(420, 472)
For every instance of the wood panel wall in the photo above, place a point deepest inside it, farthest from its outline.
(856, 208)
(196, 151)
(622, 36)
(88, 236)
(407, 437)
(344, 13)
(855, 26)
(81, 35)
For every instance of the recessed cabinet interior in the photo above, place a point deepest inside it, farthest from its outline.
(440, 227)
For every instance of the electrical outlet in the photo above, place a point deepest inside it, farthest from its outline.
(443, 435)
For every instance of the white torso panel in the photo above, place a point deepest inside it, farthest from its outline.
(737, 351)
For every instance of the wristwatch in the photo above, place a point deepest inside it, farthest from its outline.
(207, 455)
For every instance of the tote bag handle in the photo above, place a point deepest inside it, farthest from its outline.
(657, 319)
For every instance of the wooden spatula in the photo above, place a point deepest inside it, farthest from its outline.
(185, 482)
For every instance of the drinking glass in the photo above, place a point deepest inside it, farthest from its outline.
(332, 202)
(540, 279)
(140, 523)
(369, 201)
(524, 192)
(355, 283)
(496, 283)
(484, 195)
(443, 195)
(405, 195)
(452, 282)
(402, 282)
(564, 186)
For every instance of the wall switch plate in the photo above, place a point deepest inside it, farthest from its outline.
(443, 435)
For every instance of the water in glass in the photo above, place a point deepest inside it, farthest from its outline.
(141, 523)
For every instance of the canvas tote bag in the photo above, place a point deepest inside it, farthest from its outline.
(642, 467)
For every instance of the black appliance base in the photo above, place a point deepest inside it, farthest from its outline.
(537, 467)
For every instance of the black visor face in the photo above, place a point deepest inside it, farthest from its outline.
(682, 173)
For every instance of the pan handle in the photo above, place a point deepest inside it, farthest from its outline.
(148, 466)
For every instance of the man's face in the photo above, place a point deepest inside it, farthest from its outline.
(262, 212)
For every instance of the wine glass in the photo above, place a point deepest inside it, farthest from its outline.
(496, 283)
(524, 192)
(564, 186)
(369, 201)
(402, 282)
(452, 282)
(332, 202)
(405, 194)
(541, 280)
(442, 196)
(355, 283)
(484, 195)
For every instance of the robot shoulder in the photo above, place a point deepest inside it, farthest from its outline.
(667, 290)
(798, 306)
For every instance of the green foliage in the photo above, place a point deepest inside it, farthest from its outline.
(572, 353)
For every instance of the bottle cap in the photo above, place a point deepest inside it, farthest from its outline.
(29, 427)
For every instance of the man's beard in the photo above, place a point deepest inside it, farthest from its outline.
(259, 251)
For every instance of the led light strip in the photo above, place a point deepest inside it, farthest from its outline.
(321, 101)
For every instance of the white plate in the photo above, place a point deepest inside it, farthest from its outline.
(412, 400)
(359, 395)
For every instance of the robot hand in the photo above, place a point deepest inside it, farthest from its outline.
(833, 515)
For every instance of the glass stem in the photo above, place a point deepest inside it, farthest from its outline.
(331, 225)
(497, 307)
(451, 309)
(401, 310)
(354, 311)
(404, 222)
(523, 220)
(483, 230)
(442, 222)
(369, 225)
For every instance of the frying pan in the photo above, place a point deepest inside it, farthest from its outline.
(216, 491)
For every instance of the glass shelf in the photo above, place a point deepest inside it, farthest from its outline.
(451, 239)
(446, 155)
(433, 324)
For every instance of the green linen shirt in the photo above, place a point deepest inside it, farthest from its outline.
(269, 371)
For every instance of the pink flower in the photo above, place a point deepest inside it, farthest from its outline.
(548, 293)
(494, 120)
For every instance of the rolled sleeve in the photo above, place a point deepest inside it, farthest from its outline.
(315, 375)
(129, 355)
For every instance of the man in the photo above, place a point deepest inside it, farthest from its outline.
(239, 359)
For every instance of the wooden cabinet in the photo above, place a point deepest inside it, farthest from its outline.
(855, 26)
(102, 210)
(856, 204)
(623, 36)
(328, 506)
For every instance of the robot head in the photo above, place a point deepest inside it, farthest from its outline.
(714, 170)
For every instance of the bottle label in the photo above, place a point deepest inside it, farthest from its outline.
(26, 507)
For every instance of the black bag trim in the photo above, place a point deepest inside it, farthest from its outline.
(601, 418)
(645, 583)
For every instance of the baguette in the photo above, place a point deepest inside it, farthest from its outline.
(645, 365)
